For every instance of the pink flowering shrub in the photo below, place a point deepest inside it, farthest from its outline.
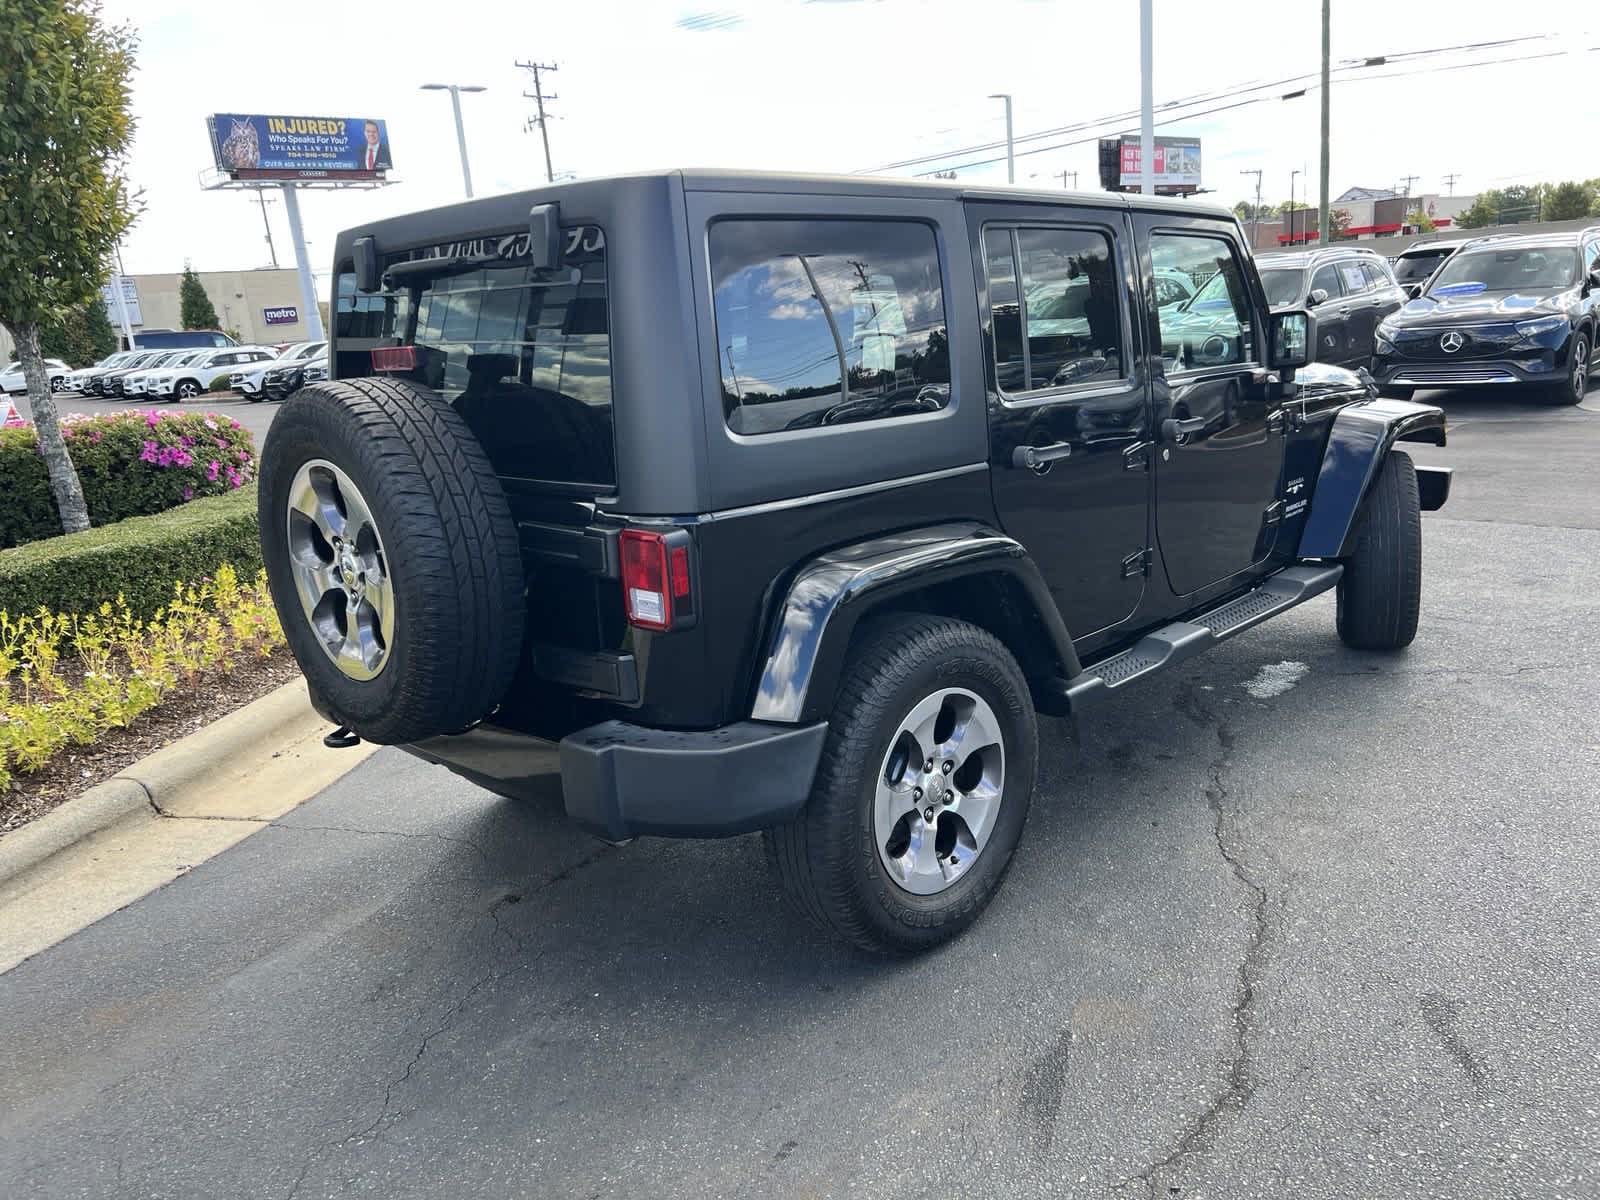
(130, 463)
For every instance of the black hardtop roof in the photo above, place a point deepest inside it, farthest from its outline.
(1280, 259)
(405, 226)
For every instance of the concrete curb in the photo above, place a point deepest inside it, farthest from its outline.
(153, 783)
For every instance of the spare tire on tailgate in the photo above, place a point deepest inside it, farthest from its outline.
(392, 557)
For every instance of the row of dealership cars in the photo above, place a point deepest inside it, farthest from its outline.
(1503, 310)
(255, 372)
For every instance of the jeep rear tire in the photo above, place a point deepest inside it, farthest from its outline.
(1380, 592)
(922, 791)
(392, 557)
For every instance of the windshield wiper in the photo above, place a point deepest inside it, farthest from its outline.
(424, 270)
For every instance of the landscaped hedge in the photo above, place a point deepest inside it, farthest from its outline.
(130, 463)
(140, 558)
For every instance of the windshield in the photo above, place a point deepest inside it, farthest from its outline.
(1283, 287)
(309, 350)
(1413, 267)
(1542, 268)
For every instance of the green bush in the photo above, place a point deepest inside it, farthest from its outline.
(140, 558)
(131, 463)
(222, 383)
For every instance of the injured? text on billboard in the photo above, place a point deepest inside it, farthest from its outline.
(286, 314)
(1177, 165)
(247, 146)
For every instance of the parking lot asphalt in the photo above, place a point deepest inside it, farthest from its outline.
(1289, 920)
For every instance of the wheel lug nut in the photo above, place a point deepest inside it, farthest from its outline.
(928, 766)
(916, 793)
(927, 813)
(949, 766)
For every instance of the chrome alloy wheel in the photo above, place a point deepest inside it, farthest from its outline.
(1580, 368)
(939, 790)
(341, 573)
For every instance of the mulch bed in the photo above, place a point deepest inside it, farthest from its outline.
(78, 768)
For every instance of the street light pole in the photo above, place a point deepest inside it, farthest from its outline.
(1323, 230)
(455, 90)
(1011, 162)
(1147, 107)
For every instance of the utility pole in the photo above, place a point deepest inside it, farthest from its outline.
(1073, 175)
(263, 199)
(539, 97)
(1011, 161)
(1323, 231)
(1255, 213)
(1405, 193)
(1147, 104)
(1450, 183)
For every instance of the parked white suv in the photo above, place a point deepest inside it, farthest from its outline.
(138, 382)
(11, 379)
(195, 378)
(248, 381)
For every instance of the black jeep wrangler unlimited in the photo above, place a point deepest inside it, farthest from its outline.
(756, 502)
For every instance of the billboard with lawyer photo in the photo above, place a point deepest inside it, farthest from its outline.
(248, 146)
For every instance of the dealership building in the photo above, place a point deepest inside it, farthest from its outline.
(264, 306)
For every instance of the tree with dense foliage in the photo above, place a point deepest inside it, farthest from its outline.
(1566, 201)
(64, 130)
(1338, 224)
(1419, 220)
(83, 335)
(197, 311)
(1246, 211)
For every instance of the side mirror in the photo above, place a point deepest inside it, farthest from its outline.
(1594, 277)
(366, 260)
(1317, 296)
(544, 236)
(1291, 340)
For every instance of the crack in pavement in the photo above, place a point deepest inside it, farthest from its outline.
(265, 823)
(1240, 1080)
(387, 1114)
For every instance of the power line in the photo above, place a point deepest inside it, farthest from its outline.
(1173, 119)
(1344, 73)
(1450, 183)
(541, 119)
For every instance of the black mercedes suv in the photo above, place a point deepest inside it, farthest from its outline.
(1502, 311)
(1348, 289)
(713, 503)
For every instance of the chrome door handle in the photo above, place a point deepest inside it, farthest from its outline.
(1036, 458)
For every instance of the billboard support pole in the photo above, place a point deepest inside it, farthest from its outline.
(308, 287)
(1147, 120)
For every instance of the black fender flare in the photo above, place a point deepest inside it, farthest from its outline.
(1360, 438)
(830, 594)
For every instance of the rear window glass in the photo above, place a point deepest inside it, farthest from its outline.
(1419, 265)
(827, 322)
(1282, 286)
(524, 356)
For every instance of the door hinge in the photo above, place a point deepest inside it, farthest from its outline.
(1137, 563)
(1136, 457)
(1274, 512)
(1280, 419)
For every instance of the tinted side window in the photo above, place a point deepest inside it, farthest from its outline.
(1327, 278)
(1378, 277)
(1066, 325)
(1215, 328)
(1069, 290)
(827, 322)
(1355, 280)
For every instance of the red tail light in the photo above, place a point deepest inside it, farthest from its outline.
(394, 358)
(657, 580)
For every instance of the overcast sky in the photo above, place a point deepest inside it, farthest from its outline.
(835, 85)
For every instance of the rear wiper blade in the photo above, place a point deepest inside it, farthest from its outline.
(420, 270)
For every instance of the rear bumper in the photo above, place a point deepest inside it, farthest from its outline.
(619, 780)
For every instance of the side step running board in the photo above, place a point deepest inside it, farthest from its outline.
(1172, 644)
